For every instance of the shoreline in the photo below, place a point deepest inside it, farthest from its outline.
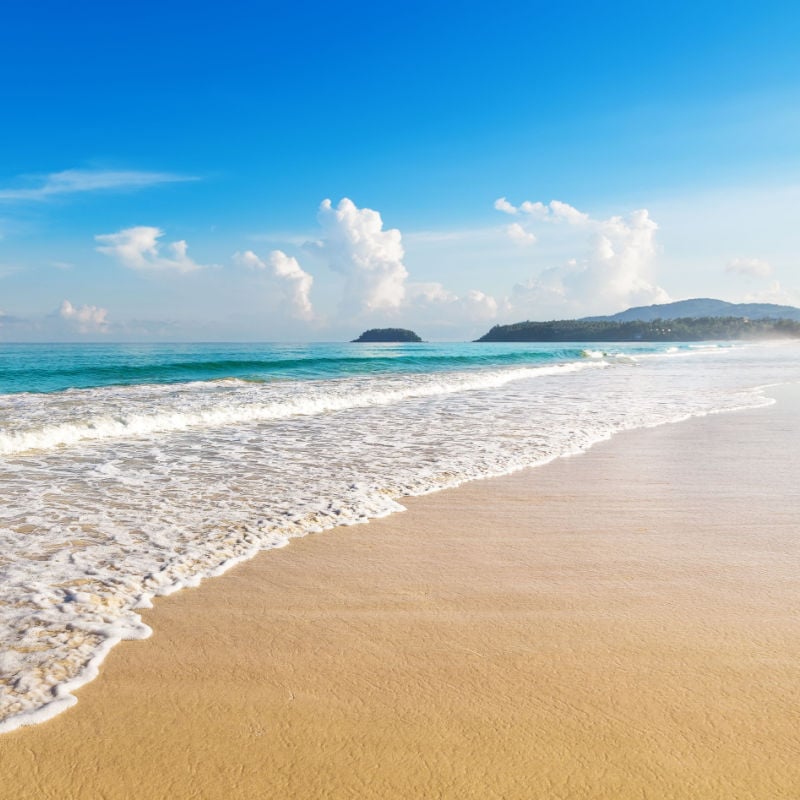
(376, 655)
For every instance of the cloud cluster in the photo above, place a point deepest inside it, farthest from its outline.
(296, 280)
(555, 211)
(371, 258)
(138, 248)
(436, 301)
(613, 272)
(87, 319)
(518, 234)
(355, 244)
(72, 181)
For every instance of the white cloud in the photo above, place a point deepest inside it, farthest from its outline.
(432, 297)
(371, 258)
(518, 234)
(86, 318)
(477, 305)
(539, 210)
(565, 212)
(138, 248)
(749, 267)
(249, 259)
(613, 273)
(355, 244)
(501, 204)
(72, 181)
(554, 211)
(430, 292)
(297, 281)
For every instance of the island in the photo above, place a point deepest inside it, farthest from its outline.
(388, 335)
(685, 329)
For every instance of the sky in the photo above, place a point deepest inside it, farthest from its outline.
(254, 171)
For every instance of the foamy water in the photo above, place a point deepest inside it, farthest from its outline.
(113, 494)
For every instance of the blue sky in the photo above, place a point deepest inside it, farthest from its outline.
(163, 166)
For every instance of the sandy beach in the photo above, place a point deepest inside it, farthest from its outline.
(620, 624)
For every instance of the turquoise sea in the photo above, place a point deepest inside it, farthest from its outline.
(56, 367)
(131, 471)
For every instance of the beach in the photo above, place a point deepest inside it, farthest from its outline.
(620, 623)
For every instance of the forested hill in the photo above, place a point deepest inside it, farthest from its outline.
(701, 307)
(388, 335)
(674, 330)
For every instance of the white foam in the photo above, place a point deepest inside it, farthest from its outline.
(249, 408)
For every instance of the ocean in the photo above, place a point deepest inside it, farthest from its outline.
(131, 471)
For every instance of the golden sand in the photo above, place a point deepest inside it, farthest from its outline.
(621, 624)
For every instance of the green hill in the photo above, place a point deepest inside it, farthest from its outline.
(686, 329)
(388, 335)
(702, 307)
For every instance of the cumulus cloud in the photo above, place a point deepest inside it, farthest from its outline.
(564, 211)
(613, 272)
(477, 305)
(749, 267)
(518, 234)
(355, 244)
(86, 318)
(554, 211)
(139, 248)
(72, 181)
(434, 298)
(531, 213)
(539, 210)
(501, 204)
(296, 280)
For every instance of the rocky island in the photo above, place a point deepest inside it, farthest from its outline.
(388, 335)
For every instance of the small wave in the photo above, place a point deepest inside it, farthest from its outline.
(136, 425)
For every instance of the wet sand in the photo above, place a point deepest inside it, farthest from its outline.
(620, 624)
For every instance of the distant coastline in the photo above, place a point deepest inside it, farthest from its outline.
(659, 330)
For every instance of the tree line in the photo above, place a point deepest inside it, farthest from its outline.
(685, 329)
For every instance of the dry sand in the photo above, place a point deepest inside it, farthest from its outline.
(625, 623)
